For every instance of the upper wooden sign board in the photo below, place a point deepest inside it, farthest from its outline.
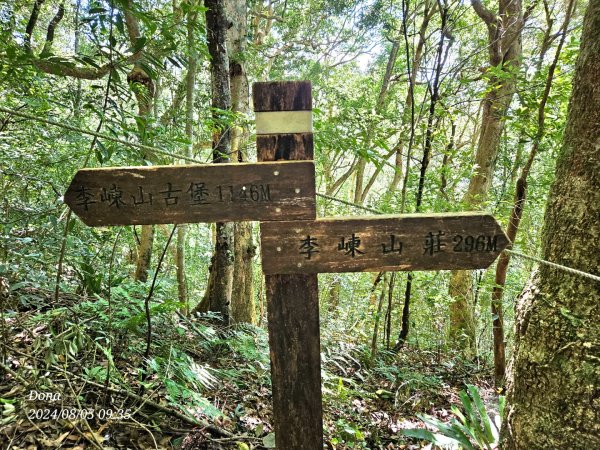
(265, 191)
(372, 244)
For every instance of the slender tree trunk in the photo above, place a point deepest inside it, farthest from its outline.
(441, 57)
(553, 399)
(408, 116)
(359, 194)
(378, 317)
(242, 297)
(388, 314)
(504, 45)
(405, 322)
(143, 88)
(334, 293)
(189, 134)
(218, 293)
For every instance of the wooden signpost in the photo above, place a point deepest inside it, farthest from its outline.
(293, 252)
(292, 300)
(279, 191)
(372, 244)
(193, 193)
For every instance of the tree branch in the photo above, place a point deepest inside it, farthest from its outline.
(51, 28)
(485, 14)
(35, 12)
(131, 22)
(65, 68)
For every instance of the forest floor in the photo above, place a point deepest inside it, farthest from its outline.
(74, 375)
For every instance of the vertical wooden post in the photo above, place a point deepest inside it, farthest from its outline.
(292, 300)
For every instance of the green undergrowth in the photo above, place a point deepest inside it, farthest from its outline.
(198, 375)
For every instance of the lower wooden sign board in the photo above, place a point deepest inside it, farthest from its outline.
(264, 191)
(371, 244)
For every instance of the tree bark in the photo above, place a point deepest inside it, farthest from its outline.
(334, 293)
(143, 88)
(218, 293)
(378, 317)
(517, 211)
(189, 134)
(144, 253)
(242, 297)
(504, 46)
(553, 399)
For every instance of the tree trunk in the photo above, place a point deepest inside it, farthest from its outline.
(143, 88)
(334, 293)
(189, 134)
(409, 106)
(441, 57)
(378, 317)
(359, 191)
(553, 399)
(504, 45)
(218, 294)
(405, 324)
(242, 297)
(517, 211)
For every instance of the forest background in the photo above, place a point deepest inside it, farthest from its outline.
(418, 106)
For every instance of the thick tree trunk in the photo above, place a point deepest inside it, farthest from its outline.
(144, 253)
(218, 294)
(553, 399)
(242, 297)
(504, 39)
(519, 206)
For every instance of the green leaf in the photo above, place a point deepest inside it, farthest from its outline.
(471, 417)
(19, 285)
(501, 405)
(139, 44)
(426, 435)
(451, 431)
(119, 23)
(485, 420)
(419, 433)
(269, 440)
(458, 414)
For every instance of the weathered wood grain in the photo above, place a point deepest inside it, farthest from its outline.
(420, 242)
(282, 96)
(294, 341)
(194, 193)
(292, 300)
(275, 147)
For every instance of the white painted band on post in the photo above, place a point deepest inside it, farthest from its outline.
(283, 122)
